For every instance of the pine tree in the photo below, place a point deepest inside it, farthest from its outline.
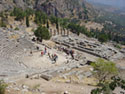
(47, 25)
(57, 24)
(27, 21)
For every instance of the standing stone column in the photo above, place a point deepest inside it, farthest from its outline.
(58, 31)
(64, 31)
(61, 32)
(54, 32)
(67, 32)
(50, 31)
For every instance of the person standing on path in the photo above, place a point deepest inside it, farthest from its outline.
(45, 50)
(55, 58)
(42, 53)
(72, 54)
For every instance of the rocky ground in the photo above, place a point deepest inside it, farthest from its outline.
(40, 86)
(94, 48)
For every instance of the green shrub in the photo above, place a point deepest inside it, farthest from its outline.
(19, 13)
(42, 33)
(2, 87)
(108, 88)
(118, 46)
(53, 19)
(3, 20)
(104, 70)
(103, 37)
(16, 28)
(2, 24)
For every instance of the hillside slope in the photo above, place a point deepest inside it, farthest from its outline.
(62, 8)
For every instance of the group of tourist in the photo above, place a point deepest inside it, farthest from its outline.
(44, 52)
(67, 51)
(53, 57)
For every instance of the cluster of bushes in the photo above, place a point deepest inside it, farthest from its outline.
(107, 74)
(114, 25)
(2, 20)
(101, 36)
(2, 23)
(40, 17)
(20, 14)
(76, 28)
(104, 36)
(109, 87)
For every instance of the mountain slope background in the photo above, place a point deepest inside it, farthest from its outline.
(79, 11)
(114, 3)
(61, 8)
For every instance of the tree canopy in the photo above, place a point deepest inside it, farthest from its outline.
(42, 33)
(40, 17)
(19, 13)
(103, 37)
(104, 70)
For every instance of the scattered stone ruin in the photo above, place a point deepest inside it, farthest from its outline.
(92, 47)
(62, 32)
(15, 45)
